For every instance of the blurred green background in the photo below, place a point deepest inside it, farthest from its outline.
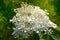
(7, 12)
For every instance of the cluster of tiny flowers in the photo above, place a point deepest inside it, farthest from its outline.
(31, 18)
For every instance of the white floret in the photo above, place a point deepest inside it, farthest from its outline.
(30, 18)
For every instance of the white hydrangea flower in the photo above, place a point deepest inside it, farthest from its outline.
(31, 18)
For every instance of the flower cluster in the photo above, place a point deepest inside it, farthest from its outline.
(31, 18)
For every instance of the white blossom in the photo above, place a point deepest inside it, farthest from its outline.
(31, 18)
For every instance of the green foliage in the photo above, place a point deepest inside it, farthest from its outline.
(6, 13)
